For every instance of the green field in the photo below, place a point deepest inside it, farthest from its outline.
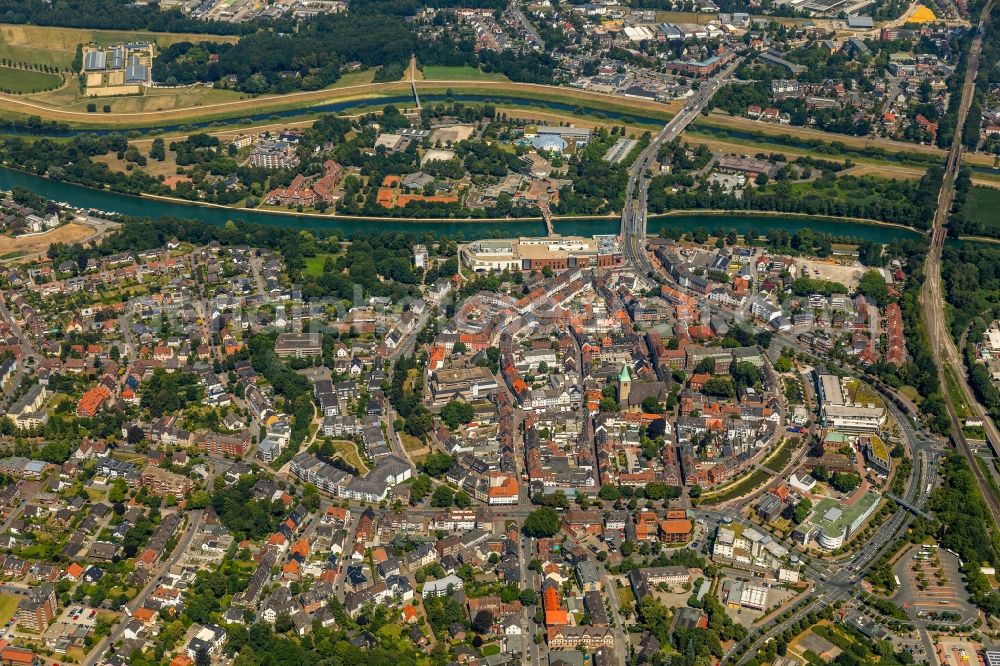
(982, 205)
(8, 606)
(358, 78)
(314, 265)
(781, 456)
(25, 81)
(348, 450)
(955, 393)
(738, 489)
(444, 73)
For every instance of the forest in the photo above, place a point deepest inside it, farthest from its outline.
(307, 59)
(911, 203)
(312, 56)
(971, 275)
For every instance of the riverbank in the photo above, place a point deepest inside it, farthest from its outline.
(377, 218)
(143, 207)
(709, 213)
(780, 214)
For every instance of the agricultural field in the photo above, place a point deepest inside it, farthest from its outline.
(20, 81)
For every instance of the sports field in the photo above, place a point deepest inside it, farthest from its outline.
(20, 81)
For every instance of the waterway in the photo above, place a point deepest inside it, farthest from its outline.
(83, 197)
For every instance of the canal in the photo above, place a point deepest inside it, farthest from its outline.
(83, 197)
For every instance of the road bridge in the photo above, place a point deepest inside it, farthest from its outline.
(634, 212)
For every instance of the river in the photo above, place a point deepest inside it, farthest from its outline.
(83, 197)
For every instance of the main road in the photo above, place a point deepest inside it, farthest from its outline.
(634, 211)
(932, 296)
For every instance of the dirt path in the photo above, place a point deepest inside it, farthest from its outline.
(22, 248)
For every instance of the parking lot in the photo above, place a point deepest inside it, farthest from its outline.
(930, 583)
(958, 652)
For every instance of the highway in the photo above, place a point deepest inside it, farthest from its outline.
(634, 212)
(932, 296)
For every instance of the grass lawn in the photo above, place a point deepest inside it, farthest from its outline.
(411, 443)
(982, 205)
(955, 393)
(355, 78)
(349, 452)
(445, 73)
(314, 265)
(625, 596)
(8, 606)
(780, 458)
(391, 630)
(793, 392)
(743, 486)
(25, 81)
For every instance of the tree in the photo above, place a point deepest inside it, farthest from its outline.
(419, 488)
(419, 422)
(283, 623)
(310, 497)
(457, 412)
(609, 492)
(542, 522)
(845, 482)
(437, 464)
(873, 286)
(651, 405)
(705, 366)
(528, 597)
(608, 405)
(655, 618)
(801, 511)
(118, 492)
(442, 496)
(462, 500)
(202, 658)
(483, 622)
